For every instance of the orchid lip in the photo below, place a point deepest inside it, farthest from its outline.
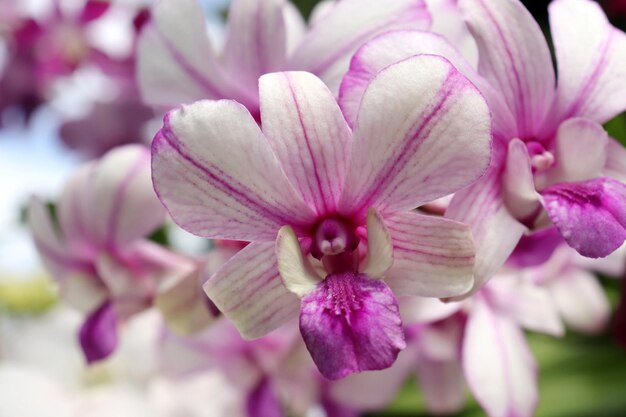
(357, 319)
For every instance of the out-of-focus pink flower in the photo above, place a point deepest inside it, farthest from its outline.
(108, 125)
(553, 163)
(40, 51)
(97, 245)
(177, 63)
(325, 218)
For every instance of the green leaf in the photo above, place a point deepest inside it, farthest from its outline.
(617, 128)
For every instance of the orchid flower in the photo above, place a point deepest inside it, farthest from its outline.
(178, 64)
(326, 209)
(553, 162)
(99, 252)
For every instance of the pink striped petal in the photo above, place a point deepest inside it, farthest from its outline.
(590, 215)
(433, 256)
(216, 174)
(514, 57)
(176, 62)
(110, 202)
(52, 247)
(72, 212)
(526, 303)
(396, 46)
(519, 193)
(248, 291)
(256, 42)
(495, 231)
(498, 365)
(430, 131)
(615, 160)
(351, 323)
(121, 203)
(581, 301)
(327, 48)
(591, 58)
(581, 150)
(308, 133)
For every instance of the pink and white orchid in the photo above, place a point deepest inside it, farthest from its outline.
(178, 64)
(327, 209)
(97, 247)
(553, 162)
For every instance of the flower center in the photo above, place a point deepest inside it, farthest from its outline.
(540, 158)
(333, 236)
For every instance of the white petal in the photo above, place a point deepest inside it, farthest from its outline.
(498, 364)
(591, 61)
(514, 57)
(581, 301)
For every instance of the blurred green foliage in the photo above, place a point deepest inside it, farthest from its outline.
(617, 128)
(27, 296)
(579, 376)
(305, 6)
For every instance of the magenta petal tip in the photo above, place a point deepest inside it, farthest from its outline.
(98, 335)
